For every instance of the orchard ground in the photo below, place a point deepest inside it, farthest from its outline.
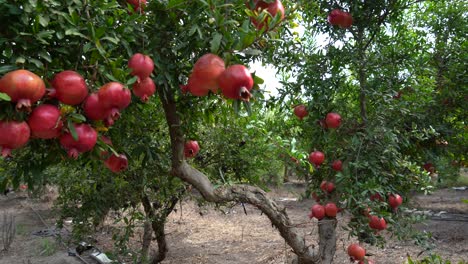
(203, 234)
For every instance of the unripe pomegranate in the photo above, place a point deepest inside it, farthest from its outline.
(333, 120)
(331, 209)
(395, 200)
(144, 89)
(377, 223)
(191, 149)
(272, 8)
(13, 135)
(114, 96)
(318, 211)
(69, 87)
(356, 252)
(24, 87)
(141, 65)
(236, 82)
(87, 138)
(316, 158)
(117, 163)
(205, 75)
(301, 111)
(45, 122)
(337, 165)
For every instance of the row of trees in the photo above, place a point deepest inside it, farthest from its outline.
(396, 77)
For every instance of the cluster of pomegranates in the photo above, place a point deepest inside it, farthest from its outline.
(340, 18)
(46, 116)
(210, 74)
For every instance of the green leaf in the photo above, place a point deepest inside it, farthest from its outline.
(132, 80)
(248, 107)
(5, 97)
(7, 68)
(111, 77)
(72, 130)
(254, 52)
(36, 62)
(77, 118)
(216, 42)
(74, 32)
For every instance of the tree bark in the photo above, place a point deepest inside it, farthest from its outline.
(147, 237)
(327, 240)
(240, 193)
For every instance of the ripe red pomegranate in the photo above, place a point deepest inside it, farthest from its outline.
(13, 135)
(317, 211)
(69, 87)
(395, 200)
(144, 89)
(331, 209)
(301, 111)
(24, 87)
(316, 158)
(333, 120)
(87, 138)
(429, 167)
(114, 96)
(377, 223)
(337, 165)
(272, 9)
(340, 18)
(141, 65)
(45, 122)
(356, 252)
(191, 149)
(236, 82)
(137, 4)
(205, 75)
(93, 108)
(117, 163)
(376, 196)
(327, 186)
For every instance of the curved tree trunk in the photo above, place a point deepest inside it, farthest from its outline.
(327, 240)
(240, 193)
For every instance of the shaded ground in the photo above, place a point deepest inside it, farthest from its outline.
(206, 235)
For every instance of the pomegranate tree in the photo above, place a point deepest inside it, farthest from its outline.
(205, 75)
(85, 142)
(236, 82)
(24, 88)
(142, 65)
(13, 135)
(45, 122)
(69, 87)
(191, 149)
(301, 111)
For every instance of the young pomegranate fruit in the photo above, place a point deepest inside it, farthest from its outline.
(301, 111)
(377, 223)
(356, 252)
(144, 89)
(317, 211)
(24, 87)
(87, 138)
(141, 65)
(316, 158)
(236, 82)
(331, 209)
(69, 87)
(191, 149)
(272, 9)
(45, 122)
(333, 120)
(337, 165)
(205, 74)
(13, 135)
(394, 200)
(116, 163)
(114, 96)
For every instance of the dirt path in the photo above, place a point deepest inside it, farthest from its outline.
(206, 235)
